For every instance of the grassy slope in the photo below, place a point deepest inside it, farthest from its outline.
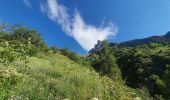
(55, 77)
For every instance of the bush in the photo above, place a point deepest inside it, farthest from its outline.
(7, 56)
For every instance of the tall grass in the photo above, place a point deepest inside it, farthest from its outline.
(55, 77)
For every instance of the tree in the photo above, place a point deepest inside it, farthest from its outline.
(104, 61)
(166, 78)
(22, 39)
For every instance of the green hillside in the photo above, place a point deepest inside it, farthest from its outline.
(29, 70)
(56, 77)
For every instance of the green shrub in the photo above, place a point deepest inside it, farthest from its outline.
(7, 56)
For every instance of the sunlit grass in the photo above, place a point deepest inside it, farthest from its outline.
(55, 77)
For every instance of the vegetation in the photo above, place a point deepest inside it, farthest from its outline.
(146, 66)
(104, 62)
(29, 70)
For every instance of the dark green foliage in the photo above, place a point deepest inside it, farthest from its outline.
(166, 80)
(135, 65)
(142, 66)
(104, 61)
(145, 66)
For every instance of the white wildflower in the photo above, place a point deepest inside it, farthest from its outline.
(6, 43)
(94, 99)
(29, 42)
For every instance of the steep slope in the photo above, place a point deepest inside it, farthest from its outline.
(54, 76)
(29, 70)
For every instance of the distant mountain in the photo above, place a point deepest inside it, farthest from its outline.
(154, 39)
(163, 39)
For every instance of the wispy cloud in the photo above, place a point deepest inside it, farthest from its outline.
(86, 35)
(27, 3)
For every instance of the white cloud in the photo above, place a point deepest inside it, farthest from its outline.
(27, 3)
(86, 35)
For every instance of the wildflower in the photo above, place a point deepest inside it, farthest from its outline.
(6, 43)
(19, 97)
(94, 99)
(26, 99)
(137, 98)
(29, 38)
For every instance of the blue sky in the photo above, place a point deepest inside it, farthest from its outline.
(78, 24)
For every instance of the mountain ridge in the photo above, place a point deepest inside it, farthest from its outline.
(162, 39)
